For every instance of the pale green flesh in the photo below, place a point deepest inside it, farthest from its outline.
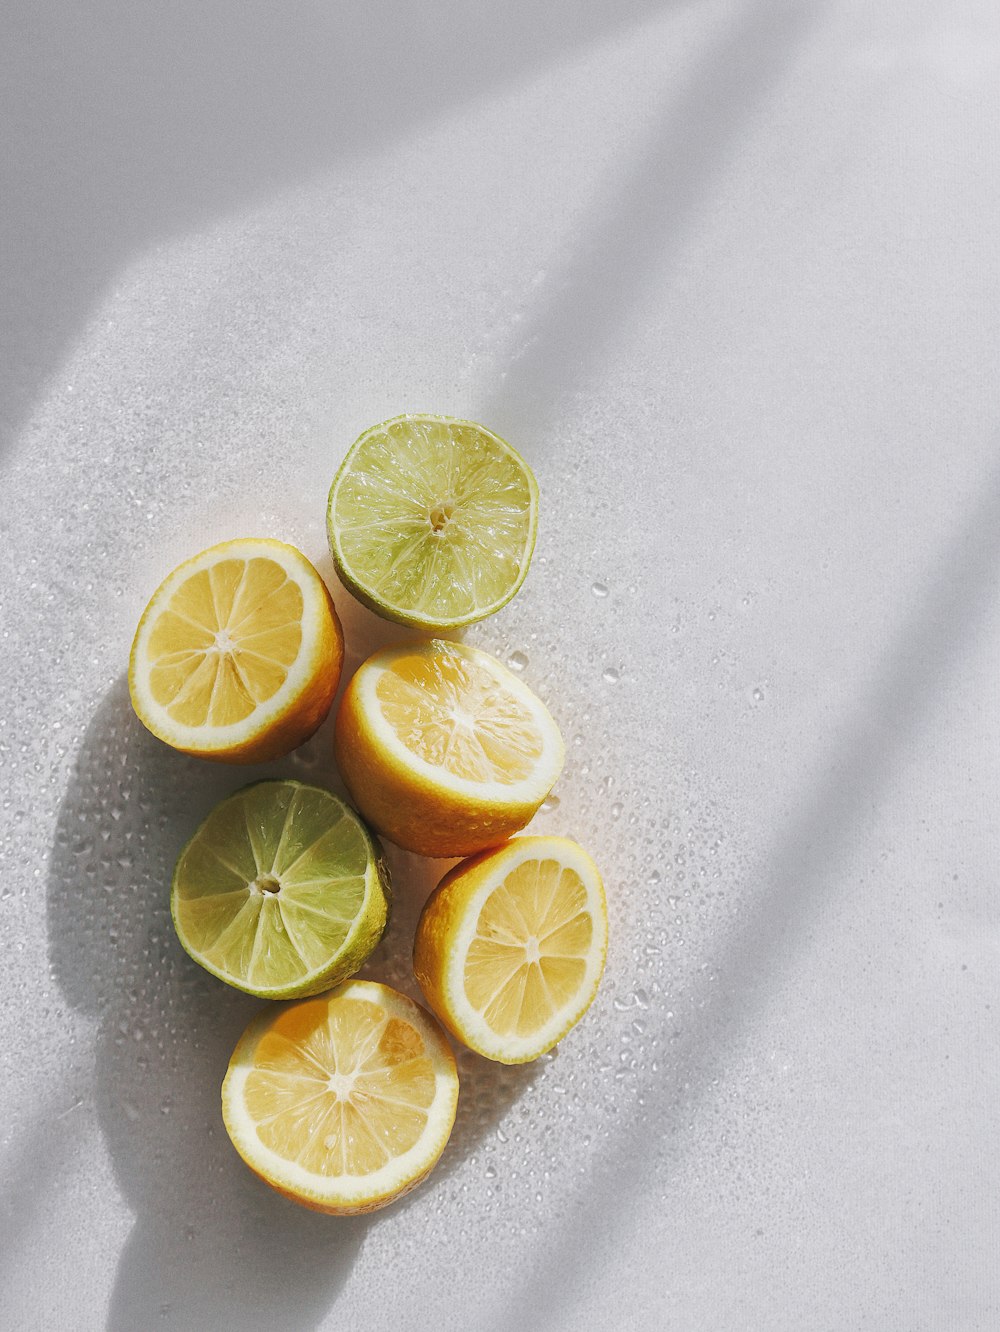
(300, 838)
(433, 519)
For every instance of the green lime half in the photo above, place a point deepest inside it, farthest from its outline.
(432, 521)
(281, 892)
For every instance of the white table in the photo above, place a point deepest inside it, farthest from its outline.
(727, 273)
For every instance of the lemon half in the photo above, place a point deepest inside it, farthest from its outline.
(443, 749)
(238, 654)
(343, 1102)
(510, 947)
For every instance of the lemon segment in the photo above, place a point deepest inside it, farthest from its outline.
(432, 521)
(282, 891)
(510, 947)
(443, 749)
(238, 654)
(342, 1102)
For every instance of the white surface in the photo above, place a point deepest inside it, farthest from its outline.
(728, 275)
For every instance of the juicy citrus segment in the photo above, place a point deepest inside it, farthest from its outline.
(454, 714)
(529, 952)
(443, 749)
(432, 521)
(238, 654)
(343, 1102)
(225, 641)
(510, 947)
(281, 892)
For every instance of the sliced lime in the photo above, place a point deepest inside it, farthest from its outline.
(281, 892)
(432, 521)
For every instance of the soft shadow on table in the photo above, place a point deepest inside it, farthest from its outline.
(212, 1246)
(649, 199)
(647, 208)
(129, 124)
(909, 677)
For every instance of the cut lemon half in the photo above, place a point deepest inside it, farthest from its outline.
(443, 749)
(510, 946)
(238, 654)
(432, 521)
(344, 1102)
(281, 892)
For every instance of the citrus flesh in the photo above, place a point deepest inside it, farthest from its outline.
(510, 947)
(238, 654)
(443, 749)
(432, 521)
(342, 1102)
(281, 892)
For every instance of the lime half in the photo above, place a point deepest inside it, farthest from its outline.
(281, 892)
(432, 521)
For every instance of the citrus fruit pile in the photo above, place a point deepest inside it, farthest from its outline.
(343, 1098)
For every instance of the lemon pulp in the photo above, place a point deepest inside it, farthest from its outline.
(529, 953)
(454, 714)
(238, 654)
(510, 947)
(345, 1101)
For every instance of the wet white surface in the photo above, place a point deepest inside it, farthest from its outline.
(727, 274)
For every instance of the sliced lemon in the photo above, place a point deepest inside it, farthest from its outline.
(432, 521)
(238, 654)
(510, 946)
(443, 749)
(343, 1102)
(281, 892)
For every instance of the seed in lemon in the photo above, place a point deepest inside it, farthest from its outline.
(510, 947)
(432, 521)
(343, 1102)
(281, 892)
(443, 749)
(238, 654)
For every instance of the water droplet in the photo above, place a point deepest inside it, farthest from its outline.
(612, 674)
(490, 1172)
(600, 589)
(517, 661)
(549, 803)
(758, 695)
(616, 810)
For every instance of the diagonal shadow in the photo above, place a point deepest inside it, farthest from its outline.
(642, 215)
(911, 676)
(124, 124)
